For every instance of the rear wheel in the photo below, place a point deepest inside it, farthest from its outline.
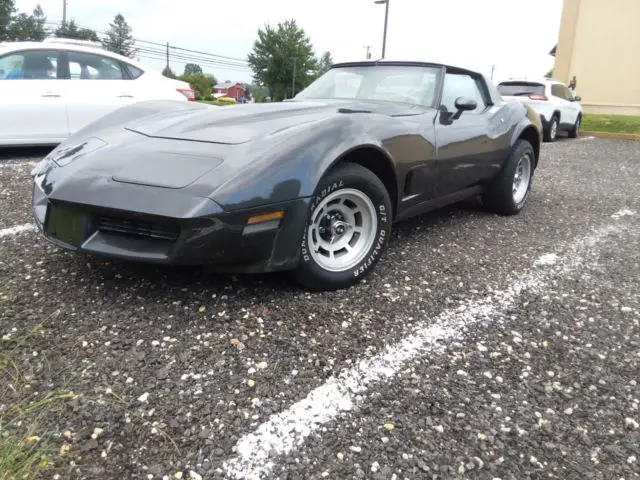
(551, 133)
(508, 193)
(347, 229)
(573, 133)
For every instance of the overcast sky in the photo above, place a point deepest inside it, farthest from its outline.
(515, 35)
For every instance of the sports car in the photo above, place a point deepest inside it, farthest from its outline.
(311, 185)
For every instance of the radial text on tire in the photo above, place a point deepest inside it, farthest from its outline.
(347, 229)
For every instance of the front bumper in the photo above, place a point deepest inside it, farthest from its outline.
(219, 239)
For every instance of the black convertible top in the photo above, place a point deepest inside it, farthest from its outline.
(408, 63)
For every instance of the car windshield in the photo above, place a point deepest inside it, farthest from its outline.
(520, 88)
(405, 84)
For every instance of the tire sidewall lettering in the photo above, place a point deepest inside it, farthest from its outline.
(382, 234)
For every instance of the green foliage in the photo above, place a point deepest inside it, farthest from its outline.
(167, 72)
(71, 30)
(22, 27)
(202, 84)
(192, 69)
(549, 74)
(257, 96)
(324, 63)
(275, 54)
(119, 38)
(6, 13)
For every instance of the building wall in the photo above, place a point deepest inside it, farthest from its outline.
(598, 44)
(236, 91)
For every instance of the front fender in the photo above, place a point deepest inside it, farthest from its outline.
(528, 119)
(289, 164)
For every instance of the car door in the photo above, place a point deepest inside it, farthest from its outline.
(98, 85)
(572, 106)
(562, 98)
(468, 143)
(32, 100)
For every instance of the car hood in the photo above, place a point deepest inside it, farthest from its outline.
(239, 124)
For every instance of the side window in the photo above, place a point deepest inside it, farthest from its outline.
(29, 65)
(567, 93)
(87, 66)
(460, 85)
(134, 72)
(556, 91)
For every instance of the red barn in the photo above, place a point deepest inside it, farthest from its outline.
(231, 90)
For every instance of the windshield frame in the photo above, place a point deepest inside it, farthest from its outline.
(438, 70)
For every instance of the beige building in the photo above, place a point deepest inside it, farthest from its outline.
(598, 45)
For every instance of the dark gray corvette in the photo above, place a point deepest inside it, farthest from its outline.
(310, 185)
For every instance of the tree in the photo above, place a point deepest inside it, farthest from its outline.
(119, 38)
(324, 63)
(71, 30)
(25, 27)
(6, 14)
(167, 72)
(192, 69)
(202, 84)
(277, 54)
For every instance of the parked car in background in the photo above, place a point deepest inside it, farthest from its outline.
(310, 185)
(50, 90)
(559, 110)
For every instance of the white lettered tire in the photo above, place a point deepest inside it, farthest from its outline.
(347, 229)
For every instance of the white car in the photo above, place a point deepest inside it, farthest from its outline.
(49, 90)
(559, 110)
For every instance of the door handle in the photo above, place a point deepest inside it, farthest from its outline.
(50, 94)
(125, 95)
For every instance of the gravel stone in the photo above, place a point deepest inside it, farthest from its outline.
(182, 397)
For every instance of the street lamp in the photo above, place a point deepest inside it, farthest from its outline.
(386, 18)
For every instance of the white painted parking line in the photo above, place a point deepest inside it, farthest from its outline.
(257, 452)
(27, 227)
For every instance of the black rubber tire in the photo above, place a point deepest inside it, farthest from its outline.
(498, 197)
(547, 131)
(573, 133)
(346, 175)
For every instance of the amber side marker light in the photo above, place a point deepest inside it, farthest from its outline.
(265, 217)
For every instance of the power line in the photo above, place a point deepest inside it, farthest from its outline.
(221, 63)
(172, 47)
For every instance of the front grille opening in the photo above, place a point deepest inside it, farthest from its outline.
(138, 228)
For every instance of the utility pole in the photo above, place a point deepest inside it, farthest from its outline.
(64, 13)
(293, 84)
(386, 21)
(167, 54)
(493, 68)
(368, 47)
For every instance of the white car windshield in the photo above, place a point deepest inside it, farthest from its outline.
(406, 84)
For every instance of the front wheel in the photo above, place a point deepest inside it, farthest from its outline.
(347, 229)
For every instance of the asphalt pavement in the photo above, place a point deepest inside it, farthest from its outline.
(483, 347)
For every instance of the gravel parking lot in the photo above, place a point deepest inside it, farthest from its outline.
(483, 346)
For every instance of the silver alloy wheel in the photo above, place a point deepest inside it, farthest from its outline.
(554, 130)
(522, 178)
(342, 230)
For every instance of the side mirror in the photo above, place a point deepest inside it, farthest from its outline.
(577, 99)
(463, 104)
